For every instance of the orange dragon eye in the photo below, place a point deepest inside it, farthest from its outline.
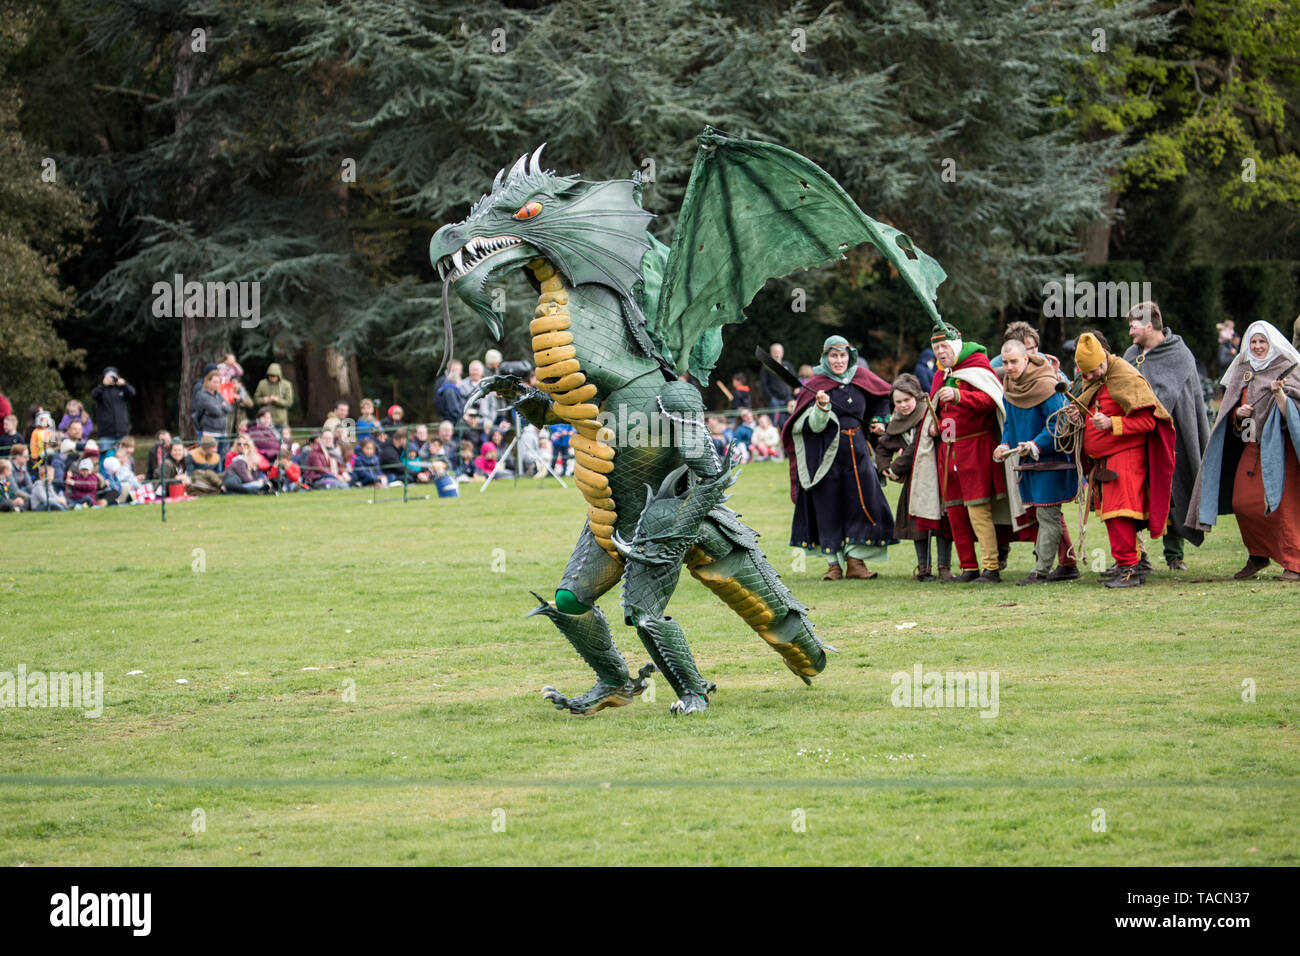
(528, 210)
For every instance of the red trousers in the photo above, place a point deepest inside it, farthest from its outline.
(1123, 540)
(966, 532)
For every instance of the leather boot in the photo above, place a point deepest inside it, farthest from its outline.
(1254, 565)
(833, 572)
(945, 573)
(858, 570)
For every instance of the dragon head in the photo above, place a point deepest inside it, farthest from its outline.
(590, 232)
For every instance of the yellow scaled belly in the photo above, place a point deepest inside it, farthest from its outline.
(560, 375)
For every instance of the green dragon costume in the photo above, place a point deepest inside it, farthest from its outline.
(619, 317)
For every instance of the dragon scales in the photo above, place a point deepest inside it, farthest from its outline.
(619, 317)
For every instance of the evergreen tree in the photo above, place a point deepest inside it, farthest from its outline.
(40, 221)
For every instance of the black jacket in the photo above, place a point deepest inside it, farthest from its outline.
(112, 413)
(777, 391)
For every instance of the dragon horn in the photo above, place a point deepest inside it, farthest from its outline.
(535, 163)
(519, 168)
(496, 183)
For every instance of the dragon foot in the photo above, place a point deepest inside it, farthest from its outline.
(693, 703)
(601, 695)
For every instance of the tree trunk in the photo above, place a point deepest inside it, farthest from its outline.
(1094, 238)
(324, 377)
(191, 362)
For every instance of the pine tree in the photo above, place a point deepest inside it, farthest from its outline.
(40, 220)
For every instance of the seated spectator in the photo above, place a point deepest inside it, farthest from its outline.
(766, 442)
(743, 434)
(486, 462)
(22, 468)
(263, 435)
(124, 452)
(114, 492)
(447, 435)
(119, 468)
(394, 419)
(718, 435)
(365, 465)
(85, 487)
(91, 450)
(419, 440)
(203, 465)
(10, 436)
(437, 456)
(65, 459)
(243, 473)
(76, 432)
(465, 461)
(46, 492)
(473, 430)
(367, 424)
(415, 466)
(176, 472)
(157, 455)
(544, 450)
(11, 499)
(74, 412)
(390, 456)
(344, 446)
(285, 475)
(322, 470)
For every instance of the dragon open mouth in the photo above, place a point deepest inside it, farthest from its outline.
(468, 257)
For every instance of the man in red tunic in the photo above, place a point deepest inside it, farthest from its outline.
(967, 395)
(1128, 445)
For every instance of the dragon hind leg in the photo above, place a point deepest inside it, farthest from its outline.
(663, 638)
(741, 576)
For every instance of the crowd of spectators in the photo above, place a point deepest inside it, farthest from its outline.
(243, 444)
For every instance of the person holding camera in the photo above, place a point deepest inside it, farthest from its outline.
(111, 397)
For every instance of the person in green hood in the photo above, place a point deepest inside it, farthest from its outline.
(839, 507)
(275, 392)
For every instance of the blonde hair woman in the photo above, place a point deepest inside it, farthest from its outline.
(242, 475)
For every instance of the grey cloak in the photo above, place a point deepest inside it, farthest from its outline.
(1170, 368)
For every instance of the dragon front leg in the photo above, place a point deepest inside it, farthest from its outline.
(590, 573)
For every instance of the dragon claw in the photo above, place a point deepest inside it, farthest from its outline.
(598, 698)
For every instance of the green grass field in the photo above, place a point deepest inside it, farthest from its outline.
(362, 687)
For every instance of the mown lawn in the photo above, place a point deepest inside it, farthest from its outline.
(362, 687)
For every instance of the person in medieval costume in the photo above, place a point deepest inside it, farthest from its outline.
(954, 473)
(1168, 364)
(1128, 448)
(1252, 463)
(1046, 476)
(895, 452)
(839, 507)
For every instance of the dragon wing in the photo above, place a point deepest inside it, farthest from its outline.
(755, 211)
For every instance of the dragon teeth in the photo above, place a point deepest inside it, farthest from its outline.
(457, 258)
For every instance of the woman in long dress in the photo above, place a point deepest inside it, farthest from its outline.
(840, 510)
(1251, 466)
